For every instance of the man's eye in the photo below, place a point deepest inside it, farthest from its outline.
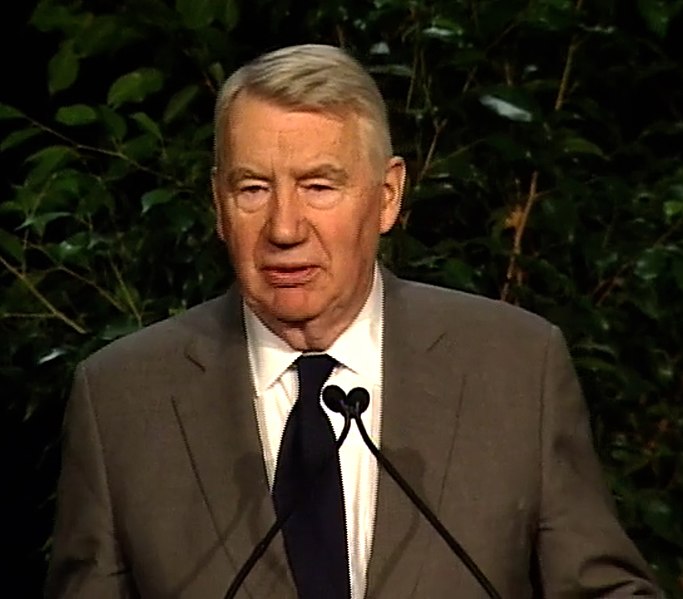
(250, 189)
(251, 197)
(321, 195)
(316, 188)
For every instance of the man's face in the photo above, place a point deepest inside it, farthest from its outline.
(301, 209)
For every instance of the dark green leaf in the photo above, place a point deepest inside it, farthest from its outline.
(507, 147)
(141, 148)
(105, 33)
(595, 364)
(659, 516)
(179, 102)
(76, 114)
(54, 353)
(49, 16)
(40, 221)
(114, 123)
(441, 33)
(75, 250)
(651, 264)
(17, 137)
(181, 217)
(579, 145)
(147, 124)
(11, 245)
(135, 86)
(506, 109)
(230, 15)
(551, 15)
(458, 275)
(673, 209)
(155, 198)
(47, 161)
(9, 112)
(62, 68)
(196, 13)
(656, 14)
(217, 73)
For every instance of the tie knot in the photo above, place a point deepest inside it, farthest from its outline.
(313, 371)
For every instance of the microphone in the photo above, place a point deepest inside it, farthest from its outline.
(352, 406)
(332, 395)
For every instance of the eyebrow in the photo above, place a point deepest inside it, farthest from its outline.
(241, 173)
(325, 171)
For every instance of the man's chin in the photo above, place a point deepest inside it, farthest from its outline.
(292, 306)
(293, 315)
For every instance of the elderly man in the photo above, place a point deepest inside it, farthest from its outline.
(184, 440)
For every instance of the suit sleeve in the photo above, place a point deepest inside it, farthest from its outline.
(86, 558)
(582, 549)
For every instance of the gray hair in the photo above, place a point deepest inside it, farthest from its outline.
(314, 77)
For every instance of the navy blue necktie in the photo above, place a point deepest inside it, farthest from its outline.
(308, 478)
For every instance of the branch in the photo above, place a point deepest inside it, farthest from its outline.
(564, 82)
(29, 315)
(103, 292)
(473, 71)
(42, 299)
(605, 288)
(103, 151)
(413, 76)
(126, 294)
(65, 269)
(439, 126)
(513, 271)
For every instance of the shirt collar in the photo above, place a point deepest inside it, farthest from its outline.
(358, 347)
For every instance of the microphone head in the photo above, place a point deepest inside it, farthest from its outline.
(359, 400)
(335, 399)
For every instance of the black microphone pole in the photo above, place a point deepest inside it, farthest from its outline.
(356, 403)
(332, 398)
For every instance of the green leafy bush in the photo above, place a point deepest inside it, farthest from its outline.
(544, 147)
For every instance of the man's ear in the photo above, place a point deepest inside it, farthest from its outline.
(392, 192)
(218, 194)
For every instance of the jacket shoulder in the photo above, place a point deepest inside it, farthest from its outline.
(459, 311)
(165, 339)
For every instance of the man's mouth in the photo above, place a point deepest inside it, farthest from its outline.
(289, 276)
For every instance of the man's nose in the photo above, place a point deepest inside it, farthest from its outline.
(287, 224)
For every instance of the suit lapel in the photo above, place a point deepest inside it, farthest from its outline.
(422, 387)
(216, 416)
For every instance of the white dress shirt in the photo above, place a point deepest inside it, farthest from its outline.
(358, 351)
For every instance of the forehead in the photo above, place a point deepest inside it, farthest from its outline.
(262, 130)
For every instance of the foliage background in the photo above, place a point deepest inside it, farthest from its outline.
(544, 142)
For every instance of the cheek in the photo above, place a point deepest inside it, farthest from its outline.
(242, 241)
(355, 239)
(368, 224)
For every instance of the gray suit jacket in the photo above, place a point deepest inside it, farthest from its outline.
(163, 491)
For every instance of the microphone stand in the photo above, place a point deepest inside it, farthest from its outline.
(357, 402)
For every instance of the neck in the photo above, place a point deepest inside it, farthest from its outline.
(309, 336)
